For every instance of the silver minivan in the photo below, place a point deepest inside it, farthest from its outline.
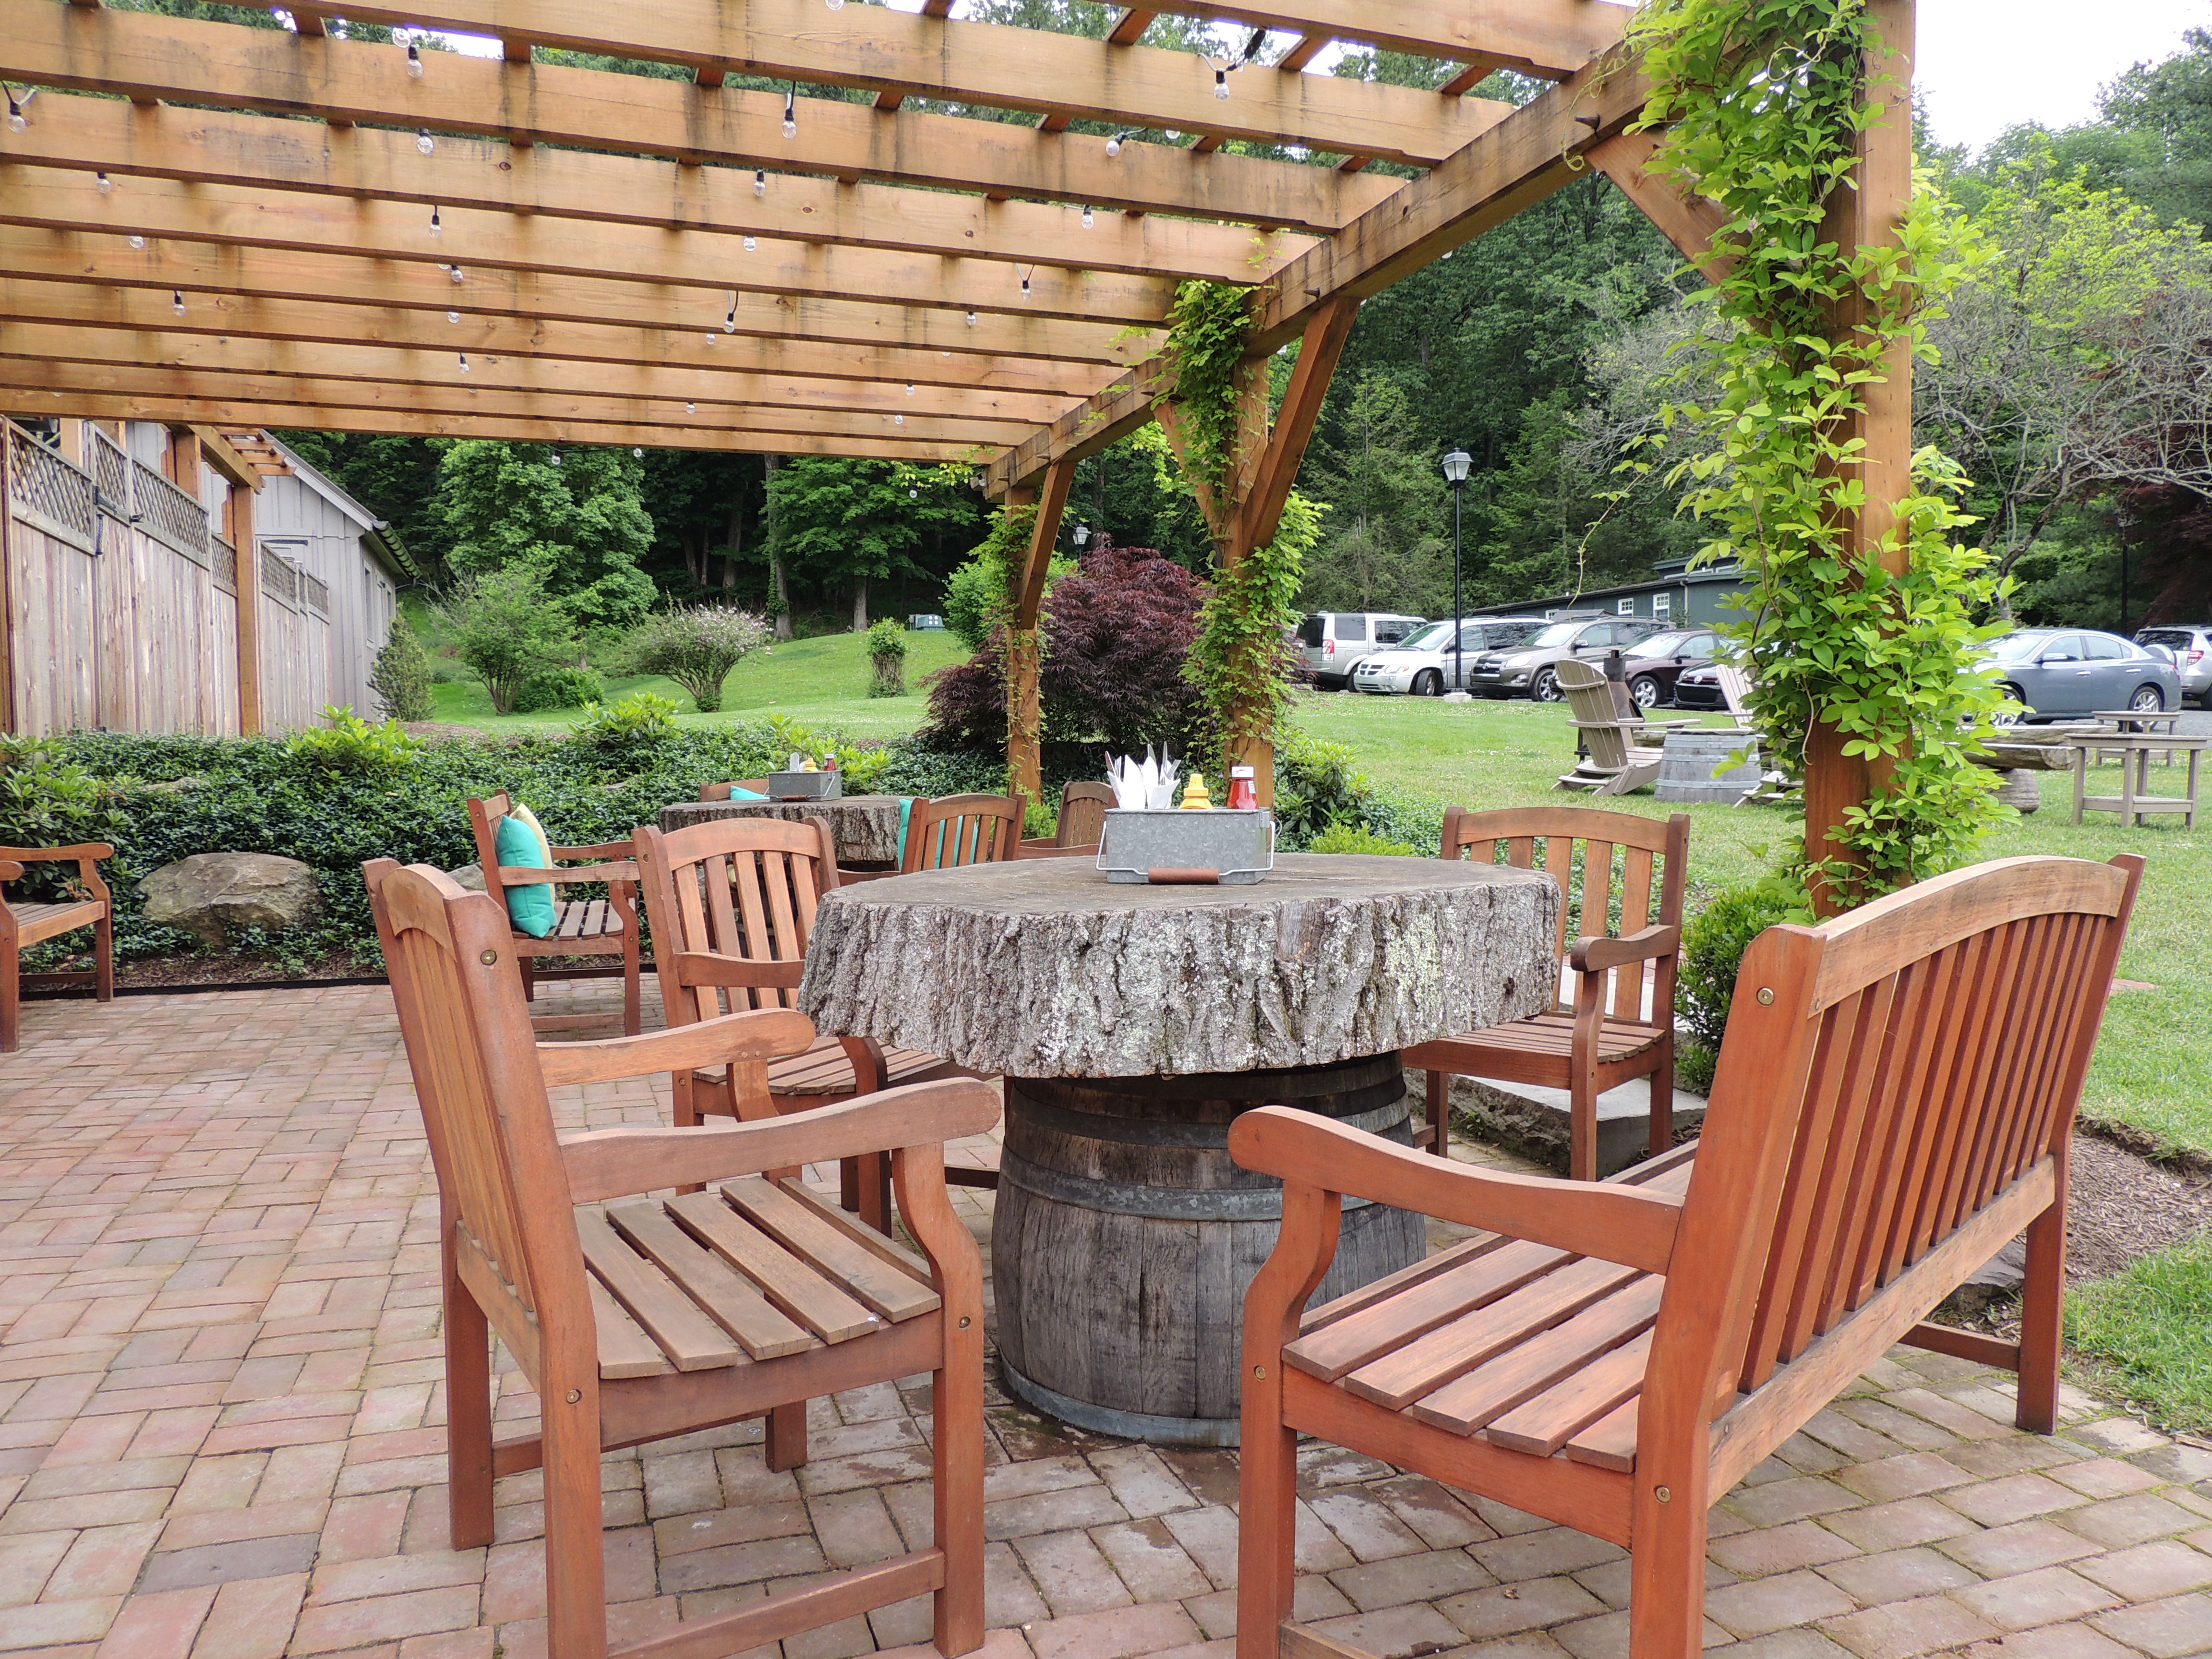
(1332, 642)
(2192, 646)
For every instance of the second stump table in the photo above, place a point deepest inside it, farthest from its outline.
(1133, 1023)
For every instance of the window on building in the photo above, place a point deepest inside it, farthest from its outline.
(1662, 605)
(1626, 608)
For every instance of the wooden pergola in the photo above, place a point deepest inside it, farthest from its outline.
(296, 229)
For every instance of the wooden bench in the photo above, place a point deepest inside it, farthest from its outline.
(1607, 1037)
(25, 922)
(582, 928)
(1894, 1103)
(638, 1318)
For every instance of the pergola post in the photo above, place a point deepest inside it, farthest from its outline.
(1870, 215)
(1025, 703)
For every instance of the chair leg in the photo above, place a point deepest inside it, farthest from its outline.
(787, 1436)
(957, 1469)
(11, 1000)
(1582, 1149)
(1667, 1577)
(103, 956)
(1267, 1488)
(529, 977)
(1438, 1093)
(633, 979)
(2042, 1318)
(575, 1557)
(1663, 1100)
(468, 1416)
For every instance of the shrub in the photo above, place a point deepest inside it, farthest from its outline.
(1354, 838)
(1712, 954)
(887, 656)
(630, 728)
(1316, 785)
(508, 629)
(346, 743)
(401, 676)
(48, 800)
(559, 688)
(697, 645)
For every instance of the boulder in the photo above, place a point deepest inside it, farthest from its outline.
(210, 891)
(470, 876)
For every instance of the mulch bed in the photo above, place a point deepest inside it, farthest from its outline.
(2122, 1206)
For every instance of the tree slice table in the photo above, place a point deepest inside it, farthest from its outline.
(865, 828)
(1133, 1023)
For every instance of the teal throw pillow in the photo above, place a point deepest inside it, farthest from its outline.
(530, 909)
(736, 794)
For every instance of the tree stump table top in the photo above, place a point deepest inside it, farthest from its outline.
(1042, 968)
(865, 828)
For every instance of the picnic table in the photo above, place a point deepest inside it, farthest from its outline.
(865, 828)
(1133, 1023)
(2135, 802)
(2142, 720)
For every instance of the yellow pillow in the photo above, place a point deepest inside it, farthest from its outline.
(545, 846)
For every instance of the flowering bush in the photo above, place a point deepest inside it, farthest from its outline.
(697, 645)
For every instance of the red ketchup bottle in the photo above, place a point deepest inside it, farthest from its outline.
(1242, 796)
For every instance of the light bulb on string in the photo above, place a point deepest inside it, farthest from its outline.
(177, 300)
(137, 242)
(1220, 82)
(898, 420)
(910, 391)
(752, 244)
(690, 409)
(1089, 217)
(453, 272)
(791, 112)
(557, 457)
(464, 362)
(103, 183)
(414, 61)
(638, 454)
(973, 319)
(1114, 145)
(17, 121)
(437, 228)
(913, 494)
(760, 181)
(452, 316)
(1025, 284)
(424, 141)
(730, 322)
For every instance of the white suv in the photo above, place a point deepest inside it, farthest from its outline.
(1332, 642)
(1422, 664)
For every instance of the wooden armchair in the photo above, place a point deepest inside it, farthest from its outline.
(24, 921)
(636, 1319)
(958, 829)
(1082, 823)
(582, 928)
(1894, 1103)
(1609, 1035)
(723, 791)
(732, 905)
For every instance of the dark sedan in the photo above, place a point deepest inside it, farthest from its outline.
(1700, 687)
(1652, 667)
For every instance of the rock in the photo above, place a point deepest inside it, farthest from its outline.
(174, 786)
(209, 892)
(1538, 1122)
(471, 876)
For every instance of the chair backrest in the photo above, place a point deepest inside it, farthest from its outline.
(1579, 847)
(743, 892)
(958, 830)
(1083, 814)
(1885, 1078)
(1591, 695)
(722, 790)
(457, 982)
(1607, 742)
(1736, 688)
(484, 818)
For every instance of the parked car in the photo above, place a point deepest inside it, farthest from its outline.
(2057, 672)
(1332, 642)
(1527, 670)
(1652, 667)
(2192, 646)
(1420, 665)
(1700, 687)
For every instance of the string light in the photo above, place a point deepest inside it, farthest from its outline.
(898, 420)
(1025, 284)
(791, 112)
(913, 494)
(452, 316)
(557, 457)
(424, 141)
(103, 183)
(752, 244)
(836, 5)
(910, 391)
(1089, 217)
(973, 319)
(177, 300)
(414, 62)
(1114, 145)
(690, 409)
(454, 273)
(1220, 82)
(17, 121)
(137, 242)
(437, 228)
(730, 322)
(464, 362)
(638, 454)
(760, 181)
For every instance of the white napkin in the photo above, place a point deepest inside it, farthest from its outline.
(1140, 786)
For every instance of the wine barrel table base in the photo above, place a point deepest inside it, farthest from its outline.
(1124, 1238)
(1133, 1023)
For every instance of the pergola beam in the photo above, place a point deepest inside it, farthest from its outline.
(64, 199)
(245, 319)
(341, 279)
(1550, 38)
(210, 147)
(232, 412)
(222, 65)
(1002, 417)
(883, 51)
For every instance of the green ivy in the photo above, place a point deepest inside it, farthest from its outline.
(1757, 104)
(1209, 336)
(1242, 661)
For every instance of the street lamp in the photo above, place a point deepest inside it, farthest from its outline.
(1082, 536)
(1456, 469)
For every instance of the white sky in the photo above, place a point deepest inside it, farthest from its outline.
(1984, 65)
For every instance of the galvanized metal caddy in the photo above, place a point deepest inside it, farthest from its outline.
(1234, 848)
(808, 786)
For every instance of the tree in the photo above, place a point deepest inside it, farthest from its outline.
(2168, 105)
(1383, 551)
(842, 524)
(401, 674)
(572, 515)
(696, 645)
(508, 629)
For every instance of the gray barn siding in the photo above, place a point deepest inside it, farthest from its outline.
(327, 541)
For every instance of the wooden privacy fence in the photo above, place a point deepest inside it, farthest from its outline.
(121, 603)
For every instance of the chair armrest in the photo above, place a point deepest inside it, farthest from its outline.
(10, 872)
(761, 1034)
(523, 875)
(606, 850)
(741, 973)
(1596, 954)
(1614, 1224)
(614, 1163)
(86, 855)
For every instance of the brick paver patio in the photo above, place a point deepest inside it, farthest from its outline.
(220, 1402)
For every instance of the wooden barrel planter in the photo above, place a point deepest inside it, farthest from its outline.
(1125, 1237)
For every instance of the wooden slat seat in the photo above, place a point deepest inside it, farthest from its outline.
(26, 922)
(1548, 1034)
(1894, 1104)
(827, 1069)
(603, 926)
(36, 923)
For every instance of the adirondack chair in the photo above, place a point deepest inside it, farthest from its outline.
(723, 791)
(1894, 1103)
(1621, 750)
(639, 1319)
(958, 829)
(582, 928)
(26, 921)
(1609, 1035)
(1082, 823)
(732, 905)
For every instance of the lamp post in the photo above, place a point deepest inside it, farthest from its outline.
(1456, 469)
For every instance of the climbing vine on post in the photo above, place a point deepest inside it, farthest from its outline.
(1760, 105)
(997, 560)
(1241, 661)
